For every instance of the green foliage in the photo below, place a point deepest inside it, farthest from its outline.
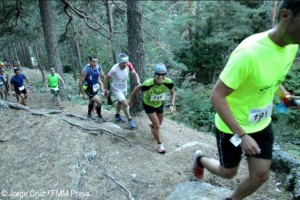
(194, 107)
(218, 35)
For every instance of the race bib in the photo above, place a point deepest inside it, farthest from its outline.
(159, 97)
(256, 115)
(55, 89)
(21, 88)
(95, 87)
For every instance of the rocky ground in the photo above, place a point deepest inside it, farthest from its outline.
(46, 156)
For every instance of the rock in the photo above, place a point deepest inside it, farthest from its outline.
(196, 190)
(4, 105)
(282, 162)
(91, 155)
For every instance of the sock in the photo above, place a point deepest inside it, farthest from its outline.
(90, 108)
(98, 109)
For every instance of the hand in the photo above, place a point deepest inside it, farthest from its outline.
(84, 97)
(171, 109)
(106, 93)
(249, 145)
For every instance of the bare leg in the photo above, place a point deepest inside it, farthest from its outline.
(125, 108)
(156, 122)
(259, 171)
(119, 106)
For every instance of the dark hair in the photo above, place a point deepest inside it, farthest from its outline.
(92, 57)
(293, 5)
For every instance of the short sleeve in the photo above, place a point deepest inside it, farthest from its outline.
(237, 69)
(130, 66)
(111, 72)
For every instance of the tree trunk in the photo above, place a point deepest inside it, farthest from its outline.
(21, 54)
(197, 27)
(46, 11)
(83, 43)
(111, 28)
(15, 54)
(75, 60)
(110, 44)
(135, 48)
(26, 54)
(78, 56)
(39, 65)
(274, 11)
(190, 28)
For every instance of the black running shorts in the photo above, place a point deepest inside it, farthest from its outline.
(230, 156)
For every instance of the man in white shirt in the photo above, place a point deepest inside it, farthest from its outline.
(119, 72)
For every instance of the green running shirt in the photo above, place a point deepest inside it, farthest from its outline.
(53, 81)
(154, 95)
(254, 70)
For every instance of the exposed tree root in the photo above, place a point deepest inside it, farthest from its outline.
(93, 131)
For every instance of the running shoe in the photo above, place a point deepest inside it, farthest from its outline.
(119, 118)
(90, 116)
(160, 148)
(101, 119)
(197, 170)
(131, 124)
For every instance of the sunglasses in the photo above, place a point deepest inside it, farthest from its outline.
(159, 74)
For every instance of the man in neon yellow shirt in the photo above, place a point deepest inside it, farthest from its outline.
(53, 85)
(243, 100)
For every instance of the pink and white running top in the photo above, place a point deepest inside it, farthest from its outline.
(120, 76)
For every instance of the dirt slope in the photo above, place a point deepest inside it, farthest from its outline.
(47, 158)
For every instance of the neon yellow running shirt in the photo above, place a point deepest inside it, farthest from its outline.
(154, 95)
(254, 70)
(53, 80)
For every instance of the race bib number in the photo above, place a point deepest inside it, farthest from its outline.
(95, 87)
(256, 115)
(21, 88)
(159, 97)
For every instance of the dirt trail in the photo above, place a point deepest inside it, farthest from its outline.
(48, 157)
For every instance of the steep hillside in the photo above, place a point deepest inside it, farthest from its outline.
(47, 156)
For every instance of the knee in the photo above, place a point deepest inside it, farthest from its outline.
(229, 174)
(155, 126)
(261, 177)
(125, 104)
(99, 102)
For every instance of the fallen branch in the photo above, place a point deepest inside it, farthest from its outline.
(46, 114)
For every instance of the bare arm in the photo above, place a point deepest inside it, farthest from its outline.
(101, 84)
(218, 99)
(62, 81)
(135, 90)
(47, 83)
(137, 78)
(26, 79)
(102, 74)
(106, 82)
(172, 91)
(281, 92)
